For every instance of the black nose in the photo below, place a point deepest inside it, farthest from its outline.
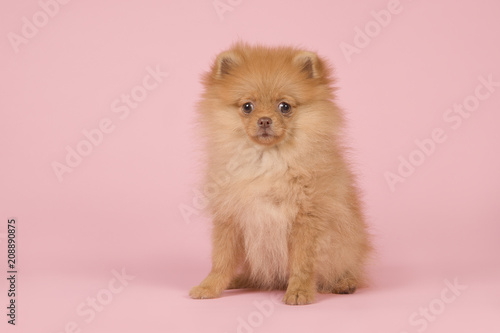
(264, 122)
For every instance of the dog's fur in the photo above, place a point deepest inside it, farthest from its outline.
(286, 212)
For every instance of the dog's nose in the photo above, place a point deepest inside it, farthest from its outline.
(264, 122)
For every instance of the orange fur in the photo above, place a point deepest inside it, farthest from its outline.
(287, 215)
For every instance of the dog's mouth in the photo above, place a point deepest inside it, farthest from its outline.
(265, 133)
(265, 136)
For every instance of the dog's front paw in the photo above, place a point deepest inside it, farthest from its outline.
(202, 292)
(298, 297)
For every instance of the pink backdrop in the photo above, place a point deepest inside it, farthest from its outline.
(99, 162)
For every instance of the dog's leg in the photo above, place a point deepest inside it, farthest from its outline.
(226, 256)
(302, 252)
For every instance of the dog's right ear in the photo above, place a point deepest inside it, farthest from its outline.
(225, 62)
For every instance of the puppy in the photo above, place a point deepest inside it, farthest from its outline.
(285, 208)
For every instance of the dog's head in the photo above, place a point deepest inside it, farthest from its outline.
(266, 94)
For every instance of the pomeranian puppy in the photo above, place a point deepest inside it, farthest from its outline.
(286, 213)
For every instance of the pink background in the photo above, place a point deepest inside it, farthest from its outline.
(121, 207)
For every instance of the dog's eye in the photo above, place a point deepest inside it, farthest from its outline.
(285, 107)
(247, 107)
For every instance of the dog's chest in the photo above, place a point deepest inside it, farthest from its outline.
(265, 219)
(265, 226)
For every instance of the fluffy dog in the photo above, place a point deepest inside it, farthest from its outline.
(287, 214)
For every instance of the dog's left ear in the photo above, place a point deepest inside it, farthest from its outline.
(309, 63)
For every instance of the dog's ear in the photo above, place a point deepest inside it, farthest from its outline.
(309, 63)
(225, 62)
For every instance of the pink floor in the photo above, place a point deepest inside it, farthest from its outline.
(114, 282)
(402, 298)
